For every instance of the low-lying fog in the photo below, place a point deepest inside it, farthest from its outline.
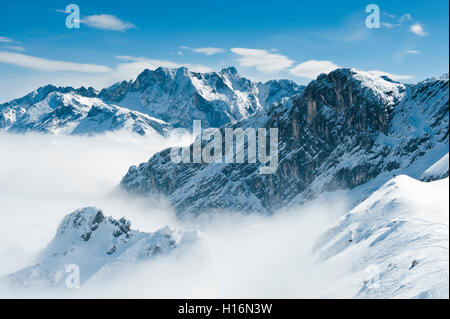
(45, 177)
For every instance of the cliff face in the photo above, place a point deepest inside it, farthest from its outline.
(344, 130)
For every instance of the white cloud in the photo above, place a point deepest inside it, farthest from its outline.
(49, 65)
(418, 29)
(402, 54)
(15, 48)
(412, 52)
(135, 65)
(5, 40)
(394, 77)
(388, 25)
(208, 51)
(262, 60)
(107, 22)
(312, 68)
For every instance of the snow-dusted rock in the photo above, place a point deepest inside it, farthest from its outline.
(93, 242)
(392, 245)
(346, 128)
(179, 96)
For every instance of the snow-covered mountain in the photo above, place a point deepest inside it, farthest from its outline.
(438, 170)
(392, 245)
(153, 104)
(73, 113)
(98, 246)
(179, 96)
(346, 129)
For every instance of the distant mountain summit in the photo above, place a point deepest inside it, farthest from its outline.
(154, 103)
(179, 96)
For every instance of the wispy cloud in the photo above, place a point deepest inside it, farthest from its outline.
(42, 64)
(15, 48)
(388, 25)
(412, 52)
(107, 22)
(403, 53)
(418, 30)
(312, 68)
(209, 51)
(132, 66)
(396, 23)
(6, 40)
(262, 60)
(390, 15)
(394, 77)
(206, 50)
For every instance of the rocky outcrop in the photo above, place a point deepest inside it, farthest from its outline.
(95, 243)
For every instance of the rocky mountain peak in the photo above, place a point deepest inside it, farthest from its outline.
(98, 245)
(347, 128)
(231, 70)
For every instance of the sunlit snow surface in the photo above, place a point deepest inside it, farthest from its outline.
(394, 244)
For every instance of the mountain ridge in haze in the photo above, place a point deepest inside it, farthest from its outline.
(157, 101)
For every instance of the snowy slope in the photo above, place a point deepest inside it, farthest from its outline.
(392, 245)
(438, 170)
(347, 129)
(96, 244)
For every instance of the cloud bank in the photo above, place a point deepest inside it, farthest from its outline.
(418, 29)
(107, 22)
(48, 65)
(262, 60)
(312, 68)
(238, 256)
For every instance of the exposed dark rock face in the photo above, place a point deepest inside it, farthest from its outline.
(345, 129)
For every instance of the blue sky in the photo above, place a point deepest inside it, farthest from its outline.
(263, 39)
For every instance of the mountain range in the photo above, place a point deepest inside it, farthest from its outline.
(154, 103)
(380, 143)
